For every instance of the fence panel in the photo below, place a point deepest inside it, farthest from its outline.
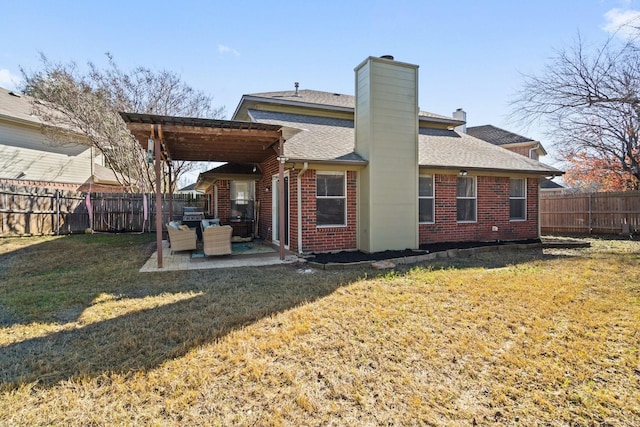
(38, 211)
(44, 211)
(598, 213)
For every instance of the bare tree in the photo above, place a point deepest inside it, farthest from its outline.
(88, 102)
(590, 102)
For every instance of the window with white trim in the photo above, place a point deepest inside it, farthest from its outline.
(425, 199)
(331, 199)
(466, 199)
(517, 199)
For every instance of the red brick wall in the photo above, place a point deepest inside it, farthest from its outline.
(492, 210)
(523, 151)
(315, 239)
(326, 239)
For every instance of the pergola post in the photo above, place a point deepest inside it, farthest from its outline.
(281, 206)
(157, 165)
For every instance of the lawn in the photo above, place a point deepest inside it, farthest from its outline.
(503, 338)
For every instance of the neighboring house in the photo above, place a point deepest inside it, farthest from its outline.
(190, 189)
(29, 157)
(372, 172)
(548, 186)
(509, 140)
(518, 144)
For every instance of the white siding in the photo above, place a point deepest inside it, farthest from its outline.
(25, 150)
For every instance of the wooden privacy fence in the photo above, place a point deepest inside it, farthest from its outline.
(43, 211)
(586, 213)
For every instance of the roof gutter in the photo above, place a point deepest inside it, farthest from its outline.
(280, 101)
(493, 171)
(357, 163)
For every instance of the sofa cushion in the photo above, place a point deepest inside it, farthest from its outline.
(173, 224)
(183, 227)
(210, 223)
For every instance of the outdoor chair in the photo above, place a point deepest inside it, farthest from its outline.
(181, 238)
(216, 240)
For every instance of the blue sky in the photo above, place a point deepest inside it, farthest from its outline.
(471, 53)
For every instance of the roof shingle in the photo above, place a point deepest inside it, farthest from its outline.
(496, 135)
(329, 139)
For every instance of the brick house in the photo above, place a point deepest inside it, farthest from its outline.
(373, 172)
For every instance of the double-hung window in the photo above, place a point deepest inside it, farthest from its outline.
(466, 199)
(425, 199)
(331, 199)
(517, 199)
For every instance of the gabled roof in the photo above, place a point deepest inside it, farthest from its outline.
(19, 108)
(447, 149)
(324, 100)
(504, 138)
(190, 187)
(547, 184)
(231, 171)
(322, 139)
(497, 136)
(15, 106)
(307, 96)
(319, 139)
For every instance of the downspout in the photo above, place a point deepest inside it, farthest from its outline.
(302, 171)
(539, 213)
(281, 161)
(215, 201)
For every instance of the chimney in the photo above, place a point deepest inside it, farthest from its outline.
(297, 85)
(386, 135)
(460, 114)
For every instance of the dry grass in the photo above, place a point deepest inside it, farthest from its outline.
(504, 338)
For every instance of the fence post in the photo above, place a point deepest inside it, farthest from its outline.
(57, 212)
(590, 217)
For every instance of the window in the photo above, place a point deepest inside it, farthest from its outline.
(517, 199)
(466, 195)
(331, 199)
(242, 199)
(425, 198)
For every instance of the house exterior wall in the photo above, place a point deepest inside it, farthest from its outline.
(523, 151)
(25, 150)
(386, 134)
(224, 199)
(327, 239)
(315, 239)
(492, 210)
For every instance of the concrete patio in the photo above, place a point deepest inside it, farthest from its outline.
(184, 260)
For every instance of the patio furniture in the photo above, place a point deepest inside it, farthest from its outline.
(216, 240)
(181, 237)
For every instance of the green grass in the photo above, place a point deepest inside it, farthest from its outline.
(522, 338)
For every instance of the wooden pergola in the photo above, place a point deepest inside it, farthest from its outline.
(206, 140)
